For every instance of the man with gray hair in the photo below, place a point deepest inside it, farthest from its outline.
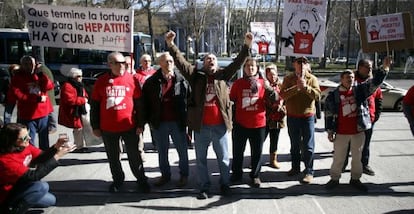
(113, 112)
(164, 107)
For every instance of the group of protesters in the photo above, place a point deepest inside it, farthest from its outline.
(181, 96)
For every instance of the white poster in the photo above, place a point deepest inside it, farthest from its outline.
(264, 37)
(385, 28)
(303, 28)
(80, 27)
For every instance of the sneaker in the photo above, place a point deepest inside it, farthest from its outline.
(202, 195)
(293, 172)
(225, 190)
(307, 179)
(115, 187)
(331, 184)
(144, 187)
(183, 181)
(162, 181)
(256, 182)
(357, 184)
(367, 170)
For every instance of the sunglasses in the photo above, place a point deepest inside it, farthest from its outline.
(24, 139)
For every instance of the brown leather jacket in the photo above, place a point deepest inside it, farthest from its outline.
(198, 82)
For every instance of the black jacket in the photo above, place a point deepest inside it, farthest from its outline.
(150, 105)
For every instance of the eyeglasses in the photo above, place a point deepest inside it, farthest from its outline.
(24, 139)
(301, 61)
(78, 76)
(119, 63)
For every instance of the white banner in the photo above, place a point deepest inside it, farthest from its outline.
(80, 27)
(303, 28)
(264, 37)
(385, 28)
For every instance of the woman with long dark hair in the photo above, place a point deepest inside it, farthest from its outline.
(22, 166)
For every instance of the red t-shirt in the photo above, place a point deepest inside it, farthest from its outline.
(303, 43)
(263, 47)
(212, 114)
(371, 99)
(167, 101)
(250, 107)
(409, 99)
(116, 95)
(13, 166)
(347, 115)
(141, 76)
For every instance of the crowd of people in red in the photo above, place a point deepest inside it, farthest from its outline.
(171, 101)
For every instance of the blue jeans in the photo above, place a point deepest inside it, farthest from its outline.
(256, 138)
(35, 194)
(178, 135)
(365, 149)
(302, 142)
(41, 126)
(216, 134)
(111, 142)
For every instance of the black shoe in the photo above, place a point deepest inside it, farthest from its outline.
(162, 181)
(225, 190)
(367, 170)
(235, 178)
(293, 172)
(20, 208)
(144, 187)
(80, 150)
(115, 187)
(256, 182)
(331, 184)
(357, 184)
(202, 195)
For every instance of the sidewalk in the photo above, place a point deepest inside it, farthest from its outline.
(81, 182)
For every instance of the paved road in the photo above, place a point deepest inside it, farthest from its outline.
(82, 180)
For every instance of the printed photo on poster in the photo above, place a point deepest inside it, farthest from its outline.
(383, 28)
(303, 29)
(264, 37)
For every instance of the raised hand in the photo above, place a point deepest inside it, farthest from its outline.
(169, 37)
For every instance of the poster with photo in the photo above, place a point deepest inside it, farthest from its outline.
(264, 37)
(303, 28)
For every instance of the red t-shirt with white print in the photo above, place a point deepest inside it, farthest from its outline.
(212, 114)
(347, 115)
(250, 107)
(13, 166)
(116, 95)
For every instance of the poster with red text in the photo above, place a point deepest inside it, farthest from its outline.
(80, 27)
(385, 28)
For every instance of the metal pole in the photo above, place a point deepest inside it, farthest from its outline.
(349, 33)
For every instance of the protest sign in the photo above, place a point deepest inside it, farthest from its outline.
(386, 32)
(303, 28)
(80, 27)
(264, 37)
